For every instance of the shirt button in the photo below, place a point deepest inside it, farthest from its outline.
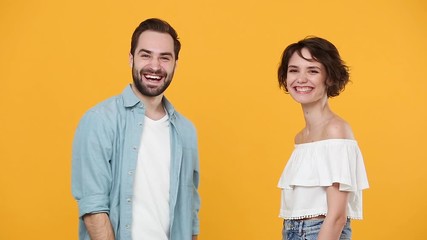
(129, 200)
(127, 226)
(134, 148)
(140, 123)
(130, 173)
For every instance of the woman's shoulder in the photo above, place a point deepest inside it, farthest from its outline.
(338, 128)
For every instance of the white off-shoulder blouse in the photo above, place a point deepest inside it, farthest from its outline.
(314, 166)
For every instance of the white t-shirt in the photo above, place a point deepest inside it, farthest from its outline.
(150, 216)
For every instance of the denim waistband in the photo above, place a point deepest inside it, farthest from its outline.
(299, 225)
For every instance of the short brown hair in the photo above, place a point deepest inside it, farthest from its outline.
(156, 25)
(323, 52)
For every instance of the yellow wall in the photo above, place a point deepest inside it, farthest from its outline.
(58, 58)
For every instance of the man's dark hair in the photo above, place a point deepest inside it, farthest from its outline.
(157, 25)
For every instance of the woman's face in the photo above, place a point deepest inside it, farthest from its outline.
(306, 80)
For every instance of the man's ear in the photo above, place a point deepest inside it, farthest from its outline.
(130, 60)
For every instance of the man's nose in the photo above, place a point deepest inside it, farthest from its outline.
(155, 63)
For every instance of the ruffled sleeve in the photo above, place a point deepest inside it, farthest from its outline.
(323, 163)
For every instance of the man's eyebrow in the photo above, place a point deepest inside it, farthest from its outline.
(150, 52)
(144, 50)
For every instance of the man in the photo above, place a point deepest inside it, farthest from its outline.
(135, 170)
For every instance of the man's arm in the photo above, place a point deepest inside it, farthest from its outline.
(196, 196)
(99, 226)
(92, 175)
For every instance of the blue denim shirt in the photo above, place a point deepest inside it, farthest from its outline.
(105, 153)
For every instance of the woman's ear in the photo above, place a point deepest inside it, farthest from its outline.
(328, 82)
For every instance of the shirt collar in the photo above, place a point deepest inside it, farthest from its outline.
(131, 100)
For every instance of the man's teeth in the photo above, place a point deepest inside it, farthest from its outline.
(154, 77)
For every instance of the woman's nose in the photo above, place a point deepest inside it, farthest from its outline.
(302, 78)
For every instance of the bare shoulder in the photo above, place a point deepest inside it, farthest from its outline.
(338, 128)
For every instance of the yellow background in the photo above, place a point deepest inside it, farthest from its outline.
(59, 58)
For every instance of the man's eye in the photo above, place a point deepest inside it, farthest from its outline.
(292, 70)
(165, 59)
(145, 56)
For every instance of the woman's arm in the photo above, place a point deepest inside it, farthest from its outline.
(337, 214)
(99, 226)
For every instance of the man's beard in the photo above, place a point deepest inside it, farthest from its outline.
(147, 91)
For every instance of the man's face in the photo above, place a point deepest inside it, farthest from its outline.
(153, 63)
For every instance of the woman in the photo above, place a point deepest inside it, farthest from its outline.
(323, 180)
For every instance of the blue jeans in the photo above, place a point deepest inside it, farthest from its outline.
(309, 229)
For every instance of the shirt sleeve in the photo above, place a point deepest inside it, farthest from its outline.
(196, 196)
(91, 169)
